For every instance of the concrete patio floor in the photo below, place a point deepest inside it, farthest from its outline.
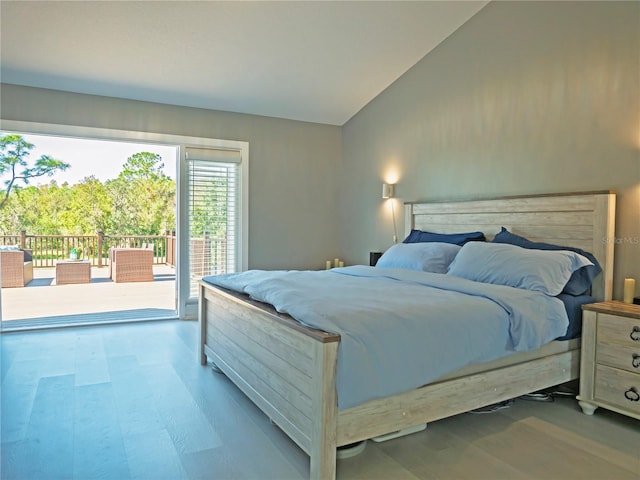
(42, 303)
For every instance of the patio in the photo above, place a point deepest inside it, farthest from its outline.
(43, 303)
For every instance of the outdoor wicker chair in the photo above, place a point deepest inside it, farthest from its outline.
(131, 265)
(15, 271)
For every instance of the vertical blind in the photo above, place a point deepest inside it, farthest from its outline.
(213, 212)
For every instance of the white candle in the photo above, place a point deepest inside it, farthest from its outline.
(629, 290)
(336, 262)
(341, 264)
(328, 265)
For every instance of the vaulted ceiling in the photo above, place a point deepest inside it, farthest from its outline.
(316, 61)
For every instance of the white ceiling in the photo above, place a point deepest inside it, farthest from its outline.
(316, 61)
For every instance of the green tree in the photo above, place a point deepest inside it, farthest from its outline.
(143, 166)
(88, 209)
(36, 209)
(143, 197)
(141, 200)
(14, 165)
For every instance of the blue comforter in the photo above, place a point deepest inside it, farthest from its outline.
(401, 329)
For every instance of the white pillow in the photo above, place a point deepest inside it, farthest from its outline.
(546, 271)
(426, 256)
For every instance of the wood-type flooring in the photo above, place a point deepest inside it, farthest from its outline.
(131, 401)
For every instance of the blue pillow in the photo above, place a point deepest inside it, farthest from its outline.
(417, 236)
(580, 281)
(529, 269)
(432, 257)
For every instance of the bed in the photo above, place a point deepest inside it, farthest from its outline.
(289, 370)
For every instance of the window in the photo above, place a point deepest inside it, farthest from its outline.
(213, 205)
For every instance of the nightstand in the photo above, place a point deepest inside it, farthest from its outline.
(610, 358)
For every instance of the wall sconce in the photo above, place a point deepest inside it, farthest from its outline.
(388, 193)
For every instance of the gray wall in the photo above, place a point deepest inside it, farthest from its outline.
(525, 98)
(292, 174)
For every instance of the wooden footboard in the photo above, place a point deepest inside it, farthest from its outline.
(286, 369)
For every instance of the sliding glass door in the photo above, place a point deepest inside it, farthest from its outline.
(211, 214)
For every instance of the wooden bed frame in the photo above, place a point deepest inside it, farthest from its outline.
(288, 370)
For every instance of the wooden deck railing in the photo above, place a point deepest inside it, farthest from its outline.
(47, 249)
(208, 255)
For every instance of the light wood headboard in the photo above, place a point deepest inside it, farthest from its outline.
(582, 220)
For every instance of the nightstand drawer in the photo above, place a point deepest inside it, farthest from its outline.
(618, 330)
(618, 388)
(624, 357)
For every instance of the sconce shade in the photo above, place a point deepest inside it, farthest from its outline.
(387, 190)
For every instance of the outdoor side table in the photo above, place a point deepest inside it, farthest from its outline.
(73, 271)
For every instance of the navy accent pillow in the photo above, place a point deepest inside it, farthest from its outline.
(417, 236)
(580, 281)
(28, 257)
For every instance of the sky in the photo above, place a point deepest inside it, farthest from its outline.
(103, 159)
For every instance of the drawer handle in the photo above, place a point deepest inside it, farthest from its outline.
(635, 334)
(635, 361)
(632, 394)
